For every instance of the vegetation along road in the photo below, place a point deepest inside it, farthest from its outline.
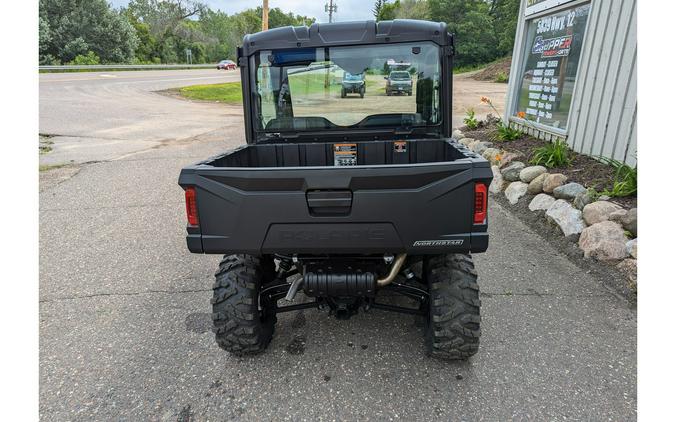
(124, 322)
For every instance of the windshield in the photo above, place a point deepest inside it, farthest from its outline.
(399, 76)
(302, 89)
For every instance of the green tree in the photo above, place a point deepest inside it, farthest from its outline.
(388, 11)
(413, 9)
(72, 27)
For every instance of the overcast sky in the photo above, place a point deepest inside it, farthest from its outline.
(347, 9)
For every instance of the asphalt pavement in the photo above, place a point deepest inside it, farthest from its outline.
(124, 308)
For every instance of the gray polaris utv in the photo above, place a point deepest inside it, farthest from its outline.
(331, 202)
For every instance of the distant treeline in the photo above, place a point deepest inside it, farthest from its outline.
(160, 31)
(146, 31)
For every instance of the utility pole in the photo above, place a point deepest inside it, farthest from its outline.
(330, 8)
(265, 16)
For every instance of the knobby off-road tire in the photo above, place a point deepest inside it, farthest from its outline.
(453, 324)
(240, 327)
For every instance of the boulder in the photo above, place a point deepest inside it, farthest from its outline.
(528, 174)
(537, 185)
(492, 155)
(568, 191)
(466, 141)
(541, 202)
(568, 218)
(497, 180)
(457, 134)
(515, 191)
(472, 145)
(581, 200)
(617, 215)
(599, 211)
(631, 248)
(481, 147)
(629, 268)
(604, 241)
(629, 221)
(553, 181)
(508, 158)
(511, 173)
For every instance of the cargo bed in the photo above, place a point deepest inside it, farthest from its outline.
(413, 196)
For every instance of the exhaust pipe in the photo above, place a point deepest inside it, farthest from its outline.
(395, 269)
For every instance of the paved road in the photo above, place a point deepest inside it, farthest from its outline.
(105, 115)
(124, 323)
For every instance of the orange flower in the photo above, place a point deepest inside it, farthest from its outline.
(521, 114)
(485, 100)
(498, 157)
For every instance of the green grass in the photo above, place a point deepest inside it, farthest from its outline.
(465, 69)
(47, 167)
(228, 92)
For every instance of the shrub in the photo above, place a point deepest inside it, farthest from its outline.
(88, 59)
(553, 154)
(470, 120)
(502, 78)
(625, 178)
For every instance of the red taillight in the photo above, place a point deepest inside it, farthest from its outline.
(479, 203)
(191, 206)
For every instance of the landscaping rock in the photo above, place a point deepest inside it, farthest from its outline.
(541, 202)
(508, 158)
(457, 134)
(528, 174)
(472, 145)
(512, 172)
(466, 141)
(553, 181)
(617, 215)
(537, 185)
(604, 198)
(492, 155)
(568, 218)
(598, 212)
(581, 200)
(631, 248)
(629, 221)
(497, 180)
(604, 241)
(629, 268)
(481, 147)
(568, 191)
(515, 191)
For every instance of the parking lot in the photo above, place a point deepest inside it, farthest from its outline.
(124, 308)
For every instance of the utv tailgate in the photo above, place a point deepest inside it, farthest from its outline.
(417, 208)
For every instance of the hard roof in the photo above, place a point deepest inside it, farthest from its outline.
(347, 33)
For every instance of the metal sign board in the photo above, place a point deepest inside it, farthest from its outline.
(536, 6)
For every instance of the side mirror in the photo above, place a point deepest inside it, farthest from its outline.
(386, 77)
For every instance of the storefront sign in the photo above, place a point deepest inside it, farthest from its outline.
(536, 6)
(550, 62)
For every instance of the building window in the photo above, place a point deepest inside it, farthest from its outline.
(550, 62)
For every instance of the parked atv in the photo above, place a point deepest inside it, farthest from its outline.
(353, 84)
(329, 205)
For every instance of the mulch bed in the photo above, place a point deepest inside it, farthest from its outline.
(583, 170)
